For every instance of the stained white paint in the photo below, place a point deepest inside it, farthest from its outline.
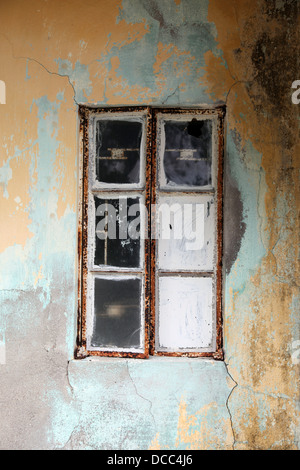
(185, 317)
(186, 306)
(186, 233)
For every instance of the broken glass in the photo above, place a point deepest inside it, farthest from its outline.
(187, 155)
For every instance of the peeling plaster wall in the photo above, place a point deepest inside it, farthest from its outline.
(55, 55)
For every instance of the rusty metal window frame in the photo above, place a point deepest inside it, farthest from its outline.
(150, 191)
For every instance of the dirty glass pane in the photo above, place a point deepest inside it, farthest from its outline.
(118, 151)
(117, 313)
(117, 237)
(188, 153)
(185, 313)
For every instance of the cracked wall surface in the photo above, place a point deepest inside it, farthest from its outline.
(55, 55)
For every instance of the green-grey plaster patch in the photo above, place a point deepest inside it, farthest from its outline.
(79, 76)
(6, 173)
(246, 170)
(186, 28)
(50, 252)
(125, 404)
(295, 309)
(64, 417)
(55, 239)
(27, 77)
(5, 177)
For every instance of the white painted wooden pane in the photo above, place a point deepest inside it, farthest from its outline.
(186, 233)
(185, 319)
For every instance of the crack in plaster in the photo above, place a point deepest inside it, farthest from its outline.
(277, 396)
(32, 59)
(77, 426)
(141, 396)
(177, 90)
(68, 378)
(227, 404)
(13, 290)
(82, 440)
(69, 440)
(236, 82)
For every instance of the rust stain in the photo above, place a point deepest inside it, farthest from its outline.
(258, 42)
(220, 112)
(85, 113)
(150, 243)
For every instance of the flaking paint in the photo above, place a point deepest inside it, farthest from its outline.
(147, 52)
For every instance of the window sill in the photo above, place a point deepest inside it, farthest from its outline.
(152, 359)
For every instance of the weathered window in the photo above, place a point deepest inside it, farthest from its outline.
(150, 232)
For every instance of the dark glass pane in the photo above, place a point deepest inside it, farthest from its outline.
(116, 244)
(118, 151)
(188, 153)
(117, 321)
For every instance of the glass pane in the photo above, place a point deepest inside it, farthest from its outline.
(186, 233)
(117, 313)
(188, 153)
(117, 237)
(185, 313)
(118, 151)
